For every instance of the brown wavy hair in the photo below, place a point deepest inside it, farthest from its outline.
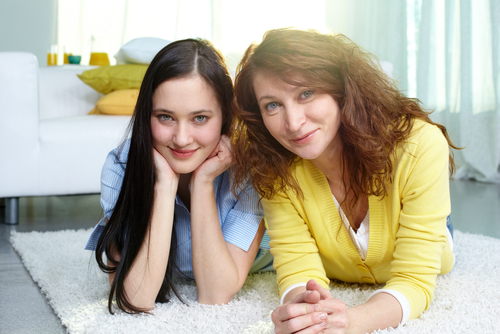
(375, 115)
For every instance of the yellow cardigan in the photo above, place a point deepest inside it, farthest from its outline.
(408, 245)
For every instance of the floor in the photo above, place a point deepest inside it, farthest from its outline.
(23, 309)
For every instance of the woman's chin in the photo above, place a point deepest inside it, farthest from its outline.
(184, 167)
(185, 170)
(188, 165)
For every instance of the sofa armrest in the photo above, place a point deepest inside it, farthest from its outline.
(19, 119)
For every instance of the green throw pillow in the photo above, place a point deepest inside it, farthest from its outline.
(106, 79)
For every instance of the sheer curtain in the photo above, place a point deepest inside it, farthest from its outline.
(238, 23)
(447, 54)
(104, 26)
(458, 75)
(379, 26)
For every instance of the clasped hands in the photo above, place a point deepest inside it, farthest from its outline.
(313, 311)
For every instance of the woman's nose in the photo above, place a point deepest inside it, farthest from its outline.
(295, 118)
(182, 136)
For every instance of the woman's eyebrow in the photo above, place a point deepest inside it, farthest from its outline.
(201, 111)
(196, 112)
(266, 97)
(292, 90)
(156, 110)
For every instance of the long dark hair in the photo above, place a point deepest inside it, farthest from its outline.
(127, 227)
(375, 115)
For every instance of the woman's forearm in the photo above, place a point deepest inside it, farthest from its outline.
(380, 312)
(314, 308)
(216, 273)
(146, 274)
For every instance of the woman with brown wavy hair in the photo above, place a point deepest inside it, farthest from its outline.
(354, 179)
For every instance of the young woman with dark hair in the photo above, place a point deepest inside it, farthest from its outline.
(166, 191)
(354, 179)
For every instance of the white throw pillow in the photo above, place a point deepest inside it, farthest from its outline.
(140, 50)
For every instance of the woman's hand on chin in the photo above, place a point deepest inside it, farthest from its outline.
(163, 170)
(217, 162)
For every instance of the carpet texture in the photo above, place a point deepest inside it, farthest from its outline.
(467, 300)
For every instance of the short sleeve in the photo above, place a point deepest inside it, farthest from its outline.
(112, 175)
(242, 218)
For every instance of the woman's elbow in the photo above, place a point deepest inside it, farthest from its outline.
(143, 304)
(215, 300)
(220, 297)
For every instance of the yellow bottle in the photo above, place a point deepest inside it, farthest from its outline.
(52, 55)
(66, 59)
(51, 59)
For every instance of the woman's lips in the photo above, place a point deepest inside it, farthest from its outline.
(182, 153)
(305, 138)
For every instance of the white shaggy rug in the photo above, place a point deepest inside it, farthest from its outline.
(467, 300)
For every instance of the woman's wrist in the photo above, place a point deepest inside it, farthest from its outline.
(201, 181)
(291, 292)
(168, 185)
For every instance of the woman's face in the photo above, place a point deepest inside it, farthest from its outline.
(304, 121)
(186, 122)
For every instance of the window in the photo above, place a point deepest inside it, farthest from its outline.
(104, 26)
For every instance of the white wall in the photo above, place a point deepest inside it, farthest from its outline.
(28, 25)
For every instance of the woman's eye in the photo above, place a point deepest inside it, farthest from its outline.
(200, 118)
(165, 117)
(271, 106)
(306, 94)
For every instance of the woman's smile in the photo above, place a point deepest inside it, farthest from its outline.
(183, 154)
(305, 138)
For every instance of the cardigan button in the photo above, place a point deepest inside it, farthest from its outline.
(362, 267)
(368, 280)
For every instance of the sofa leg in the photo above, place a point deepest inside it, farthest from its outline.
(12, 211)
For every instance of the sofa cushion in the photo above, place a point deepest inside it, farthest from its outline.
(72, 151)
(119, 102)
(106, 79)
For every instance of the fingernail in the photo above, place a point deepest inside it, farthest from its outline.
(318, 308)
(323, 316)
(323, 324)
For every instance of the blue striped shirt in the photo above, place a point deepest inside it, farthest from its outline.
(239, 218)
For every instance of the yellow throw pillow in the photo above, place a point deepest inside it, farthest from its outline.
(106, 79)
(119, 102)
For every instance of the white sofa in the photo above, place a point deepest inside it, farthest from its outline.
(48, 143)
